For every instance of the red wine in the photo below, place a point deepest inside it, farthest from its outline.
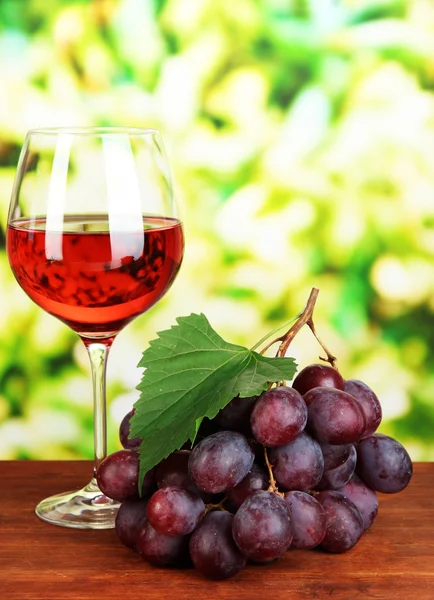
(95, 279)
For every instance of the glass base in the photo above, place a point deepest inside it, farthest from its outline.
(87, 508)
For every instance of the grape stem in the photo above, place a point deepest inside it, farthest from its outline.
(273, 485)
(305, 318)
(220, 506)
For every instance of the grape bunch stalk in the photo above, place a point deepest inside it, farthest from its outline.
(299, 466)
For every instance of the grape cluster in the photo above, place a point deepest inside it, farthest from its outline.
(296, 467)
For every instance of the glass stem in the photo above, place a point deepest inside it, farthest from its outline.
(98, 354)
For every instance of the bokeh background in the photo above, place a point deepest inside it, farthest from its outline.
(301, 137)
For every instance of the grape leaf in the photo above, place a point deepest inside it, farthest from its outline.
(191, 373)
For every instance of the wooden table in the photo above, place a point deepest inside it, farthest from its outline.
(394, 560)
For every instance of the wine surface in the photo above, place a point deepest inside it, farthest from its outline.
(91, 276)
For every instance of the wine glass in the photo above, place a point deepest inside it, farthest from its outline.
(94, 239)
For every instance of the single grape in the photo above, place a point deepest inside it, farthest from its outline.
(314, 376)
(130, 519)
(383, 463)
(308, 520)
(344, 522)
(124, 432)
(174, 511)
(235, 416)
(212, 548)
(262, 526)
(334, 416)
(299, 465)
(256, 479)
(363, 497)
(220, 461)
(118, 475)
(339, 465)
(369, 403)
(162, 550)
(278, 417)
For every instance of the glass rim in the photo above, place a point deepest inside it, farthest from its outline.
(93, 130)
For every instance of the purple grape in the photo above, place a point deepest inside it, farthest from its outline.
(212, 547)
(173, 470)
(369, 403)
(299, 465)
(220, 461)
(262, 526)
(344, 522)
(383, 464)
(334, 416)
(130, 519)
(235, 416)
(278, 417)
(174, 511)
(308, 520)
(118, 476)
(256, 479)
(162, 550)
(339, 465)
(363, 497)
(124, 432)
(335, 455)
(314, 376)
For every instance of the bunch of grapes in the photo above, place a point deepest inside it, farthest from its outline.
(296, 467)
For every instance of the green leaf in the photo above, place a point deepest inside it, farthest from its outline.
(191, 373)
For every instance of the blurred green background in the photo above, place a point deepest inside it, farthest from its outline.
(301, 137)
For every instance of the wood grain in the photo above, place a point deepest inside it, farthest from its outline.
(393, 561)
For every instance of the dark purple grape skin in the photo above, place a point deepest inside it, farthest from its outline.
(235, 416)
(162, 550)
(298, 465)
(278, 417)
(220, 461)
(308, 520)
(369, 403)
(118, 475)
(124, 432)
(344, 522)
(256, 479)
(339, 466)
(317, 375)
(174, 511)
(363, 497)
(148, 485)
(130, 519)
(262, 526)
(383, 464)
(335, 455)
(173, 470)
(334, 416)
(212, 548)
